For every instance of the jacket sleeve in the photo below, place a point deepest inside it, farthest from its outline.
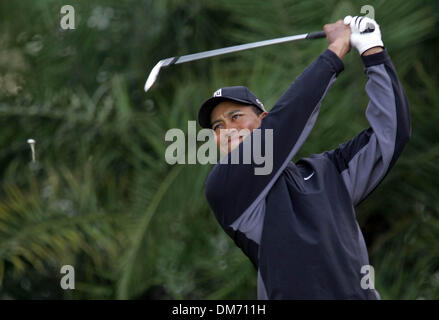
(365, 160)
(234, 190)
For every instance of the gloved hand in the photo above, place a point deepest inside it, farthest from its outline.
(361, 40)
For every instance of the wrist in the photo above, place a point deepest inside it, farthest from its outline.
(339, 48)
(372, 51)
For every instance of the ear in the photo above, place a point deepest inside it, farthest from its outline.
(262, 115)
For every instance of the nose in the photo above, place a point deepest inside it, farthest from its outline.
(229, 132)
(229, 125)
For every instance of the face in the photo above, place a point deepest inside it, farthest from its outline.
(228, 118)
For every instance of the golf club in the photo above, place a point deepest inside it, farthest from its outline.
(211, 53)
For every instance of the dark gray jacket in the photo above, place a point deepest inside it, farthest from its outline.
(297, 224)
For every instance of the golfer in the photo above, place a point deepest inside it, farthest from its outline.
(297, 224)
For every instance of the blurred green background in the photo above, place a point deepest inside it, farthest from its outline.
(101, 196)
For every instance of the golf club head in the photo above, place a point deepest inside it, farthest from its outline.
(155, 72)
(153, 75)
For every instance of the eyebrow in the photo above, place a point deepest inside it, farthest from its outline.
(228, 114)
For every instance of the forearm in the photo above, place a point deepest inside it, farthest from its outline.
(366, 159)
(295, 113)
(388, 108)
(389, 117)
(340, 49)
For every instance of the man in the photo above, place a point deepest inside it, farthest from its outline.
(297, 224)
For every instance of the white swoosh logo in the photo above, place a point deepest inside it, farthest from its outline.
(309, 176)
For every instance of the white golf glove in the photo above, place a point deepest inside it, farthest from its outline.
(361, 40)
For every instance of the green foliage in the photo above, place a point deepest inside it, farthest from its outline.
(101, 196)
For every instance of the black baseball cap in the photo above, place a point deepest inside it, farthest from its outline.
(237, 94)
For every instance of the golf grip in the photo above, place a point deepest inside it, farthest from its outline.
(316, 35)
(321, 34)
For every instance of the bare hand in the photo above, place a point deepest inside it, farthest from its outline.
(338, 35)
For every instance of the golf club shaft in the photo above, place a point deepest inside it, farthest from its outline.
(252, 45)
(206, 54)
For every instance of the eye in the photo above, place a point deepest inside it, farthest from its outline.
(218, 126)
(235, 116)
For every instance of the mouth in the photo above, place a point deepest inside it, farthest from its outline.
(231, 140)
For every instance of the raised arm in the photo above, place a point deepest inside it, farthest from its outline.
(366, 159)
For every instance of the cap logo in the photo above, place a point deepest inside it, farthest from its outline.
(217, 93)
